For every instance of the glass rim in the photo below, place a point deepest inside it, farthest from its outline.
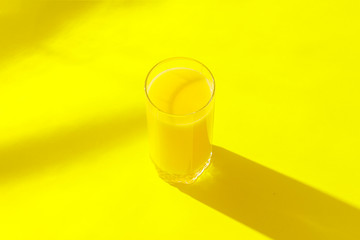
(184, 58)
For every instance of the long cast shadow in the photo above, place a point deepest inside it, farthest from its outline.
(272, 203)
(60, 147)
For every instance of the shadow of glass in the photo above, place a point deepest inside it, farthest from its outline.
(60, 147)
(272, 203)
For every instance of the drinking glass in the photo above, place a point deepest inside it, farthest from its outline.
(180, 111)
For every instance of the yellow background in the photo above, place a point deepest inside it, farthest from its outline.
(73, 149)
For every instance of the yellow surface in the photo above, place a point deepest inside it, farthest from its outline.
(180, 144)
(73, 149)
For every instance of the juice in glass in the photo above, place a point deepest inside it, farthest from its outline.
(180, 118)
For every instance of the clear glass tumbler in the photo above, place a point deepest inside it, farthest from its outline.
(180, 111)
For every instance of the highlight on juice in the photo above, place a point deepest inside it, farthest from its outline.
(180, 110)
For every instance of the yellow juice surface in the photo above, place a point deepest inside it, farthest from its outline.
(180, 134)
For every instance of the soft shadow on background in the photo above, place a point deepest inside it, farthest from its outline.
(25, 24)
(272, 203)
(25, 27)
(62, 146)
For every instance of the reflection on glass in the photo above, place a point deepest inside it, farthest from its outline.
(180, 110)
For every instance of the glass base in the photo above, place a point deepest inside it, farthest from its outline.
(186, 179)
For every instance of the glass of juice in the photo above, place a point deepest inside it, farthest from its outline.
(180, 111)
